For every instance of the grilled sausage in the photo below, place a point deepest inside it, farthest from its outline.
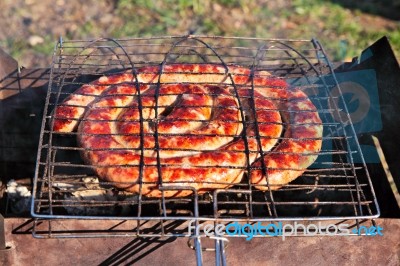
(186, 128)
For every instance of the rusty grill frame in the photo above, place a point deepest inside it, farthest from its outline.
(295, 59)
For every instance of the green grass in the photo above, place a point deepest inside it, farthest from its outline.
(340, 30)
(45, 47)
(335, 25)
(329, 22)
(15, 46)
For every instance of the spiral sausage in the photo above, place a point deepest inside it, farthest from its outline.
(196, 136)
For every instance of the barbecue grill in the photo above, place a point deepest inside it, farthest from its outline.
(64, 187)
(336, 188)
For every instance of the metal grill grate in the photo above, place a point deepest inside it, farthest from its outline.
(334, 187)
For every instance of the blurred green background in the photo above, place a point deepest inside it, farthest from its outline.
(30, 28)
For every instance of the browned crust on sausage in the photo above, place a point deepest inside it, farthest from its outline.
(299, 147)
(110, 134)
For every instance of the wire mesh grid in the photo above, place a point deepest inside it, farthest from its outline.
(65, 187)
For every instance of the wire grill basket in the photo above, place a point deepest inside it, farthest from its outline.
(334, 187)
